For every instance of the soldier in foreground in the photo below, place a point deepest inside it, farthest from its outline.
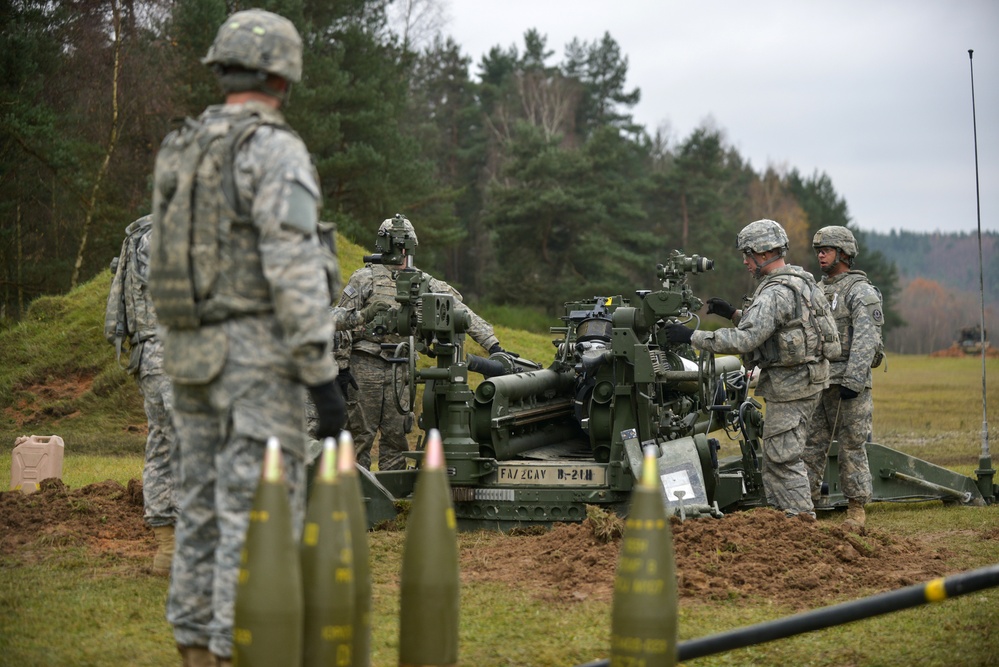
(845, 413)
(774, 331)
(371, 403)
(243, 287)
(130, 320)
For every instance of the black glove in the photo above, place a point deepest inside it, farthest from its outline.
(377, 305)
(678, 334)
(495, 348)
(721, 307)
(345, 379)
(847, 394)
(331, 407)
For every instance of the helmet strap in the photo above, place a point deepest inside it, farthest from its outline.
(758, 271)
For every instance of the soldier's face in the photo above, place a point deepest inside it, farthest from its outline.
(751, 261)
(828, 258)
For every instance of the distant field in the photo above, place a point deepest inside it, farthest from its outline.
(62, 603)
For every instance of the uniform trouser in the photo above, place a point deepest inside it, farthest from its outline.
(848, 422)
(160, 466)
(785, 478)
(222, 431)
(372, 408)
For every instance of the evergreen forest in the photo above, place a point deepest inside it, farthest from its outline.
(527, 178)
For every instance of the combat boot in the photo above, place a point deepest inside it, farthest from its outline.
(197, 656)
(164, 550)
(855, 515)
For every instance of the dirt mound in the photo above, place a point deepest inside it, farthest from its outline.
(104, 518)
(745, 554)
(758, 553)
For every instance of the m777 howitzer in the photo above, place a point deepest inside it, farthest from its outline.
(534, 444)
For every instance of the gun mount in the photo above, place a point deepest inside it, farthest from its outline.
(534, 444)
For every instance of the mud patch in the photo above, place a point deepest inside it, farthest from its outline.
(757, 553)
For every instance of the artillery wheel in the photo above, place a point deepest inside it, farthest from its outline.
(404, 378)
(707, 378)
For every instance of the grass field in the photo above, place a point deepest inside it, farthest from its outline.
(66, 605)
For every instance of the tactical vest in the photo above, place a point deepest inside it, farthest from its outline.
(129, 315)
(383, 287)
(810, 335)
(838, 293)
(205, 265)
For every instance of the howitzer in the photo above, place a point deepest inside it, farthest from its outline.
(537, 444)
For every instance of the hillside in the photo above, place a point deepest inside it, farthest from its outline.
(57, 366)
(949, 259)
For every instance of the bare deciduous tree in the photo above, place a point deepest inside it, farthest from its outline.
(418, 22)
(112, 142)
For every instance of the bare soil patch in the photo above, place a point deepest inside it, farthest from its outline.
(753, 554)
(757, 553)
(41, 402)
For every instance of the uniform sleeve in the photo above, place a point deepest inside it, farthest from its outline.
(354, 295)
(480, 330)
(769, 310)
(293, 260)
(863, 300)
(142, 251)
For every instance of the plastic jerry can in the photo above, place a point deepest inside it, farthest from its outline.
(35, 458)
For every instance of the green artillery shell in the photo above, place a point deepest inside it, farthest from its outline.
(267, 629)
(327, 570)
(353, 501)
(644, 608)
(428, 608)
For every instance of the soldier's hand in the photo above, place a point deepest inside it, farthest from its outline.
(377, 305)
(678, 334)
(721, 307)
(331, 407)
(345, 379)
(847, 394)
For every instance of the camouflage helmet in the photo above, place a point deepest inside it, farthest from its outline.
(761, 236)
(386, 227)
(837, 237)
(260, 41)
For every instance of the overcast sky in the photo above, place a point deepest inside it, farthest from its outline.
(875, 93)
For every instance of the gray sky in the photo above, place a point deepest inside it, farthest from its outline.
(876, 93)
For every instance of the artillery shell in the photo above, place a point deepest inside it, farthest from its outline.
(267, 628)
(428, 609)
(353, 502)
(644, 607)
(327, 570)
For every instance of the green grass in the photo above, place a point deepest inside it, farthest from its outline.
(71, 607)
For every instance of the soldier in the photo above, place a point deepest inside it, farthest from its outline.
(130, 320)
(371, 403)
(845, 413)
(243, 286)
(774, 332)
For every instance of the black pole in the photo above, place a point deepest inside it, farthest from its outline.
(985, 472)
(936, 590)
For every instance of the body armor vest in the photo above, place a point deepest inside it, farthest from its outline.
(810, 335)
(129, 314)
(205, 264)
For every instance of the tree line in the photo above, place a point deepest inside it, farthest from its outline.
(529, 181)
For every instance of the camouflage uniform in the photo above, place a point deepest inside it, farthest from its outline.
(372, 406)
(790, 386)
(263, 333)
(146, 364)
(856, 305)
